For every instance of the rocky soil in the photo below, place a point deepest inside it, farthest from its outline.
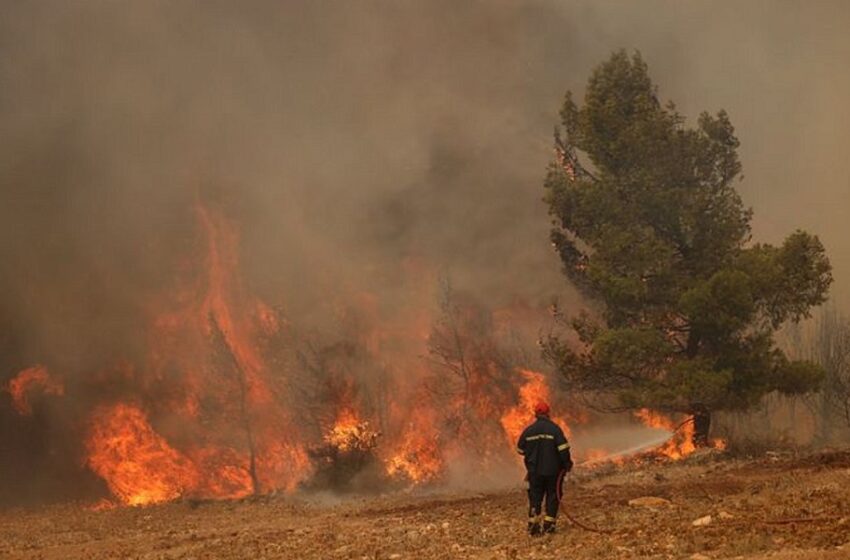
(778, 506)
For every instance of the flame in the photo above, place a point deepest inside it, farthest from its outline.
(238, 436)
(533, 391)
(28, 381)
(221, 302)
(138, 465)
(350, 433)
(282, 464)
(418, 457)
(209, 411)
(681, 443)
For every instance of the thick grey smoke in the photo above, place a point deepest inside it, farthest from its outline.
(347, 138)
(350, 136)
(351, 139)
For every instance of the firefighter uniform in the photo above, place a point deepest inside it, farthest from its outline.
(546, 453)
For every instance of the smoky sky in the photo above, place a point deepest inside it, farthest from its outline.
(348, 138)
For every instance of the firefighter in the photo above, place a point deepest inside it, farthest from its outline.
(546, 454)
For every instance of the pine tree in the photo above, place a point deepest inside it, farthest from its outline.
(650, 228)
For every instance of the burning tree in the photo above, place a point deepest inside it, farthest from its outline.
(225, 397)
(648, 224)
(472, 375)
(346, 450)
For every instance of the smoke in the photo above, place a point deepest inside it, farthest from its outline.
(359, 145)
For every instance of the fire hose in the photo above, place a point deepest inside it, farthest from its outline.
(561, 476)
(561, 479)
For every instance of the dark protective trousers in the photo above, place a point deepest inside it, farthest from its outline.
(540, 488)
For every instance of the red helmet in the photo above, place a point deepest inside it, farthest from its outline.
(541, 408)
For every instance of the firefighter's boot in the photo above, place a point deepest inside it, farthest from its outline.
(534, 526)
(548, 525)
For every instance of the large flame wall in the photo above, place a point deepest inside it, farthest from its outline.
(216, 408)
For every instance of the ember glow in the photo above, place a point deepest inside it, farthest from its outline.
(29, 381)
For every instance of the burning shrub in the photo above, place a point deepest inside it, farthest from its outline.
(418, 456)
(230, 400)
(349, 451)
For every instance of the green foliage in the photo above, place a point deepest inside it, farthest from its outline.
(648, 223)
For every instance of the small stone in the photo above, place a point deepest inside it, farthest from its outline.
(445, 525)
(698, 556)
(725, 515)
(702, 521)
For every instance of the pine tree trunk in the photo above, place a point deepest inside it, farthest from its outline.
(702, 426)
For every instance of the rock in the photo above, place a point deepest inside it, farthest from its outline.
(445, 525)
(698, 556)
(394, 556)
(649, 501)
(702, 521)
(725, 515)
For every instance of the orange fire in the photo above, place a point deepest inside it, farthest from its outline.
(222, 299)
(533, 391)
(138, 465)
(350, 433)
(418, 457)
(206, 358)
(29, 380)
(210, 413)
(681, 443)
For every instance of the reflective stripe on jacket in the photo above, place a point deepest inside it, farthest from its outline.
(544, 448)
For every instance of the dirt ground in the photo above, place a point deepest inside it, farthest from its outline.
(782, 507)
